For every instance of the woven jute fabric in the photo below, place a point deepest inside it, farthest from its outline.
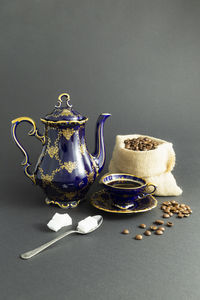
(154, 166)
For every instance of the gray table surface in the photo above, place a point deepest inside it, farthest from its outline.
(138, 60)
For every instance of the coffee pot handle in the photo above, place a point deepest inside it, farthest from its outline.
(32, 132)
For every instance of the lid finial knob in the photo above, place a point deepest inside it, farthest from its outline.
(60, 100)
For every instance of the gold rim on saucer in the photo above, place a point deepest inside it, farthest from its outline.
(102, 200)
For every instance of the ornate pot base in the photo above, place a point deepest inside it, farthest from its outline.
(63, 204)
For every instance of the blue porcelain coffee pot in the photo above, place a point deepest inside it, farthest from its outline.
(65, 168)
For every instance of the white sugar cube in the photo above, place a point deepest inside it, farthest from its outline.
(54, 226)
(87, 224)
(58, 221)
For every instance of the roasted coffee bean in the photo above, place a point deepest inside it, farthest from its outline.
(170, 224)
(159, 232)
(166, 216)
(173, 209)
(125, 231)
(153, 227)
(161, 228)
(186, 215)
(173, 202)
(159, 222)
(180, 215)
(163, 207)
(138, 237)
(142, 225)
(147, 232)
(140, 144)
(167, 203)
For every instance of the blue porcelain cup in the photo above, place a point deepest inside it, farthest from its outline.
(126, 190)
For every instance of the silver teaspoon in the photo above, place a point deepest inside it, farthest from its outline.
(37, 250)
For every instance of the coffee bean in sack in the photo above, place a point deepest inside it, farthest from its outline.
(140, 144)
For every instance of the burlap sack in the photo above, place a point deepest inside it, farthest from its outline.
(154, 166)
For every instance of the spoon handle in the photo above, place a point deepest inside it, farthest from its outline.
(37, 250)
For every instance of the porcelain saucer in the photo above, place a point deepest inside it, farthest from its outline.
(103, 201)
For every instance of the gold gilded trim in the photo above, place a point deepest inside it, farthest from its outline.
(152, 205)
(62, 205)
(31, 176)
(33, 131)
(64, 122)
(60, 99)
(121, 174)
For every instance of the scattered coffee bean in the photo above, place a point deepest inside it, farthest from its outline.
(159, 232)
(186, 215)
(173, 202)
(173, 209)
(163, 207)
(159, 222)
(142, 225)
(166, 215)
(166, 203)
(180, 215)
(152, 227)
(147, 232)
(161, 228)
(138, 237)
(170, 224)
(125, 231)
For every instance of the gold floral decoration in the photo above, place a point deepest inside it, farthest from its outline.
(66, 112)
(90, 177)
(47, 178)
(68, 133)
(52, 151)
(82, 148)
(69, 166)
(70, 195)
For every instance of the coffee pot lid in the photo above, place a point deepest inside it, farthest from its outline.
(64, 113)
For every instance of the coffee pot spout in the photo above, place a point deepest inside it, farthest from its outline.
(100, 154)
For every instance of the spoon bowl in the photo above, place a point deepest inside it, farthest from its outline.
(99, 220)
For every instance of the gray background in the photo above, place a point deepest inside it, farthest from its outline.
(140, 61)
